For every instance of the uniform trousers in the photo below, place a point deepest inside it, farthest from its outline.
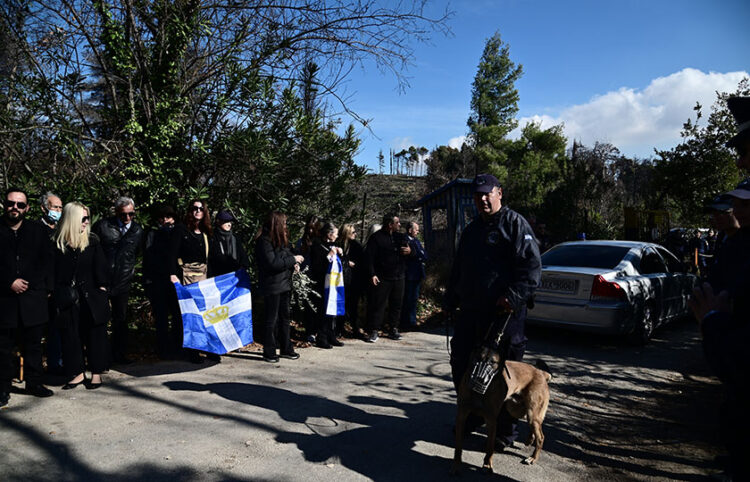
(163, 299)
(31, 349)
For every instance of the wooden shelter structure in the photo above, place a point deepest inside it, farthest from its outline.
(445, 213)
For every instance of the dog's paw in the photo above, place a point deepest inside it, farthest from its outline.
(528, 461)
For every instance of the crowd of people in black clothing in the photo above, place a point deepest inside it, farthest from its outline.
(66, 281)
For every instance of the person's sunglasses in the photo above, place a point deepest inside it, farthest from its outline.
(10, 204)
(196, 208)
(85, 219)
(130, 214)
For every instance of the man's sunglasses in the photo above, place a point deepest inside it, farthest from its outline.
(130, 214)
(10, 204)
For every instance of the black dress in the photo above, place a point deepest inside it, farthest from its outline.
(83, 325)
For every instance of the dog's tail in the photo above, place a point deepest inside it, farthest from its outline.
(545, 368)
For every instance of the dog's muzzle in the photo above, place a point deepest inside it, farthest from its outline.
(482, 374)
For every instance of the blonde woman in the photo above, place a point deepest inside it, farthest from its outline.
(355, 276)
(80, 297)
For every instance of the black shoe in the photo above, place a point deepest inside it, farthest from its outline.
(4, 398)
(39, 391)
(323, 344)
(290, 356)
(271, 359)
(373, 337)
(335, 342)
(395, 335)
(213, 357)
(71, 386)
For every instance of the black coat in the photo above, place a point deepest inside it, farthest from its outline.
(274, 266)
(384, 258)
(497, 257)
(120, 251)
(156, 258)
(226, 254)
(27, 254)
(90, 271)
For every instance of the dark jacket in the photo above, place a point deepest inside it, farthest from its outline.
(356, 254)
(188, 247)
(384, 258)
(120, 251)
(226, 254)
(496, 258)
(274, 266)
(90, 271)
(156, 255)
(415, 260)
(25, 253)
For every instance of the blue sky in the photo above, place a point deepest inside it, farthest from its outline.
(626, 72)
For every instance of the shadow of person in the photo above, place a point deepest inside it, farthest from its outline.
(379, 438)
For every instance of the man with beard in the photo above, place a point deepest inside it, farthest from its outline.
(26, 274)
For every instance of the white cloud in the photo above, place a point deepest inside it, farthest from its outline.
(636, 120)
(457, 142)
(400, 143)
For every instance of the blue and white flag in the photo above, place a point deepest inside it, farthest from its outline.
(334, 289)
(217, 313)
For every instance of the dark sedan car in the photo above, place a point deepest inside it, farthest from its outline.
(614, 287)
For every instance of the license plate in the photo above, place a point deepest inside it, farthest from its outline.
(558, 285)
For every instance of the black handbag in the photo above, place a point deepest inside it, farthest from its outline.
(65, 296)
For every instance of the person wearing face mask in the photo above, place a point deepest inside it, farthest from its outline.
(121, 237)
(158, 287)
(51, 206)
(227, 253)
(26, 274)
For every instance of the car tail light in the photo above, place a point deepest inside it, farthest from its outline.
(607, 290)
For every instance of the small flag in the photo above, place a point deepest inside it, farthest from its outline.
(334, 289)
(217, 313)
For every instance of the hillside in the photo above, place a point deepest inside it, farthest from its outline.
(390, 193)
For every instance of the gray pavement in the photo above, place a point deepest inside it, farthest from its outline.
(380, 411)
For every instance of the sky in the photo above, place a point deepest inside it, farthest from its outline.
(627, 72)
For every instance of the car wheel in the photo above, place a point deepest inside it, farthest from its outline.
(644, 327)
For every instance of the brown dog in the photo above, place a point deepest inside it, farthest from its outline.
(523, 390)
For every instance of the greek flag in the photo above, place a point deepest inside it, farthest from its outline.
(217, 313)
(334, 289)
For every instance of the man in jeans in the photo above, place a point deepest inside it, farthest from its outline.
(386, 252)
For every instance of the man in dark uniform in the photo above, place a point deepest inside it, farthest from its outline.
(724, 316)
(496, 270)
(121, 238)
(26, 271)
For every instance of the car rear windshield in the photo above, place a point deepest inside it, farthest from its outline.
(585, 256)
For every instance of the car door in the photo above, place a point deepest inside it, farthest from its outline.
(654, 271)
(677, 284)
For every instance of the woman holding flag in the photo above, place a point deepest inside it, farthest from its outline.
(327, 272)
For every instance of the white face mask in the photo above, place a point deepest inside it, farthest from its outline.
(54, 216)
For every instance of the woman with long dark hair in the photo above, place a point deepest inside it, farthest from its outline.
(275, 265)
(189, 248)
(80, 295)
